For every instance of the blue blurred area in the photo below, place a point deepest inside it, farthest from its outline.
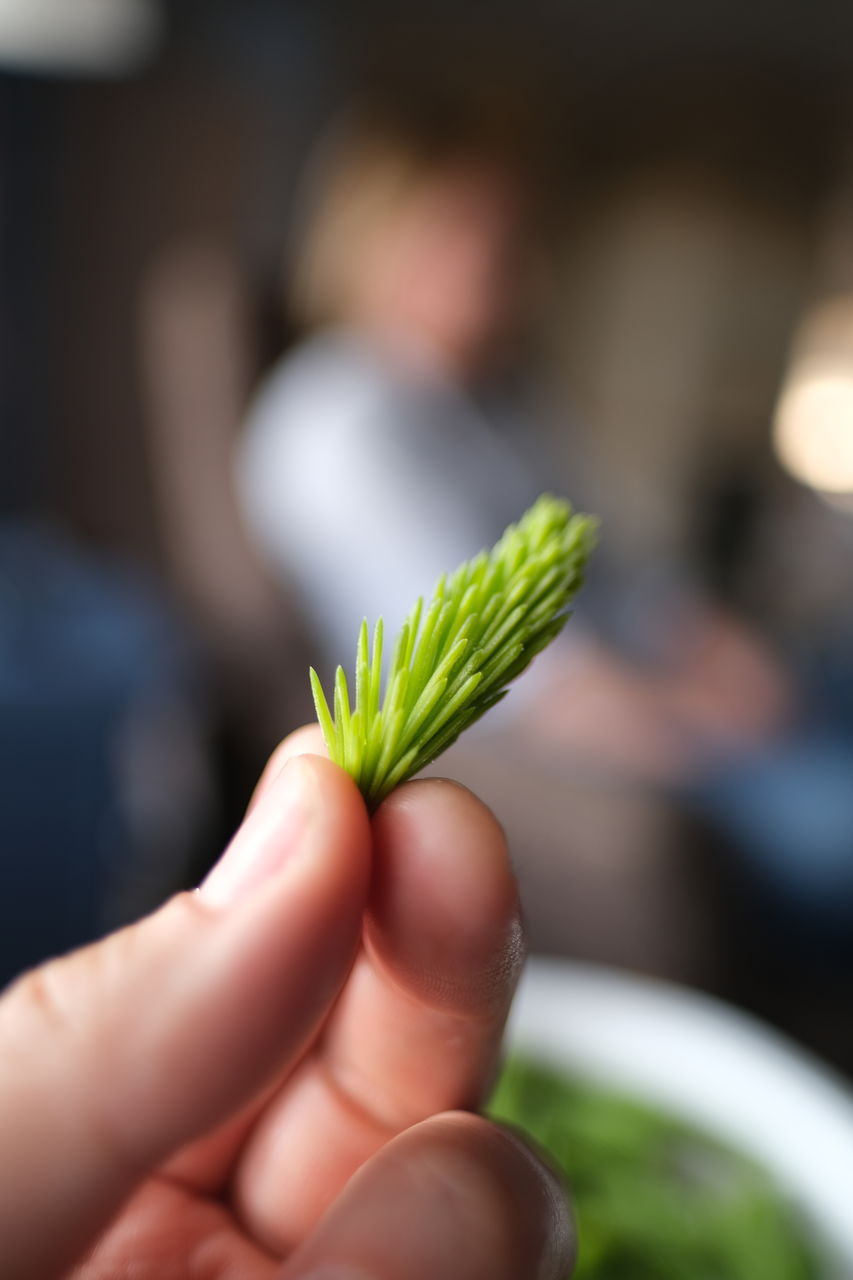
(83, 646)
(789, 808)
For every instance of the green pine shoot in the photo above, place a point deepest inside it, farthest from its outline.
(454, 657)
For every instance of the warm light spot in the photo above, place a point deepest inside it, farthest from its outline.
(813, 429)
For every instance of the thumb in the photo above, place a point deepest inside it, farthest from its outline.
(115, 1056)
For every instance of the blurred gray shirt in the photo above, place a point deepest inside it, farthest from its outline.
(363, 481)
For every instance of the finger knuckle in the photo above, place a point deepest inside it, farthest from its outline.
(42, 998)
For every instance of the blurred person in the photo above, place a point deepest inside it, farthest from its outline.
(398, 440)
(408, 275)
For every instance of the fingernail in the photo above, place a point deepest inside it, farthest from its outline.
(268, 838)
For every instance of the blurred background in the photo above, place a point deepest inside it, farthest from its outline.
(299, 300)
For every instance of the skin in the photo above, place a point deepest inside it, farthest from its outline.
(442, 277)
(192, 1096)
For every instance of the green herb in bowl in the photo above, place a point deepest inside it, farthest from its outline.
(654, 1198)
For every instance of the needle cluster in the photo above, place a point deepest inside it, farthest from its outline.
(455, 655)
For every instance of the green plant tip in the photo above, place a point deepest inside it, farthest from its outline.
(456, 654)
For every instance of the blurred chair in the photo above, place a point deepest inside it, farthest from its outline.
(197, 338)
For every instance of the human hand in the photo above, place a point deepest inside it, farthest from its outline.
(598, 711)
(725, 685)
(191, 1096)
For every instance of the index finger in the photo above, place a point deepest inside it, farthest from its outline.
(418, 1026)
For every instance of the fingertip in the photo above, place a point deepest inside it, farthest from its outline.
(502, 1213)
(338, 804)
(306, 740)
(517, 1180)
(338, 792)
(444, 907)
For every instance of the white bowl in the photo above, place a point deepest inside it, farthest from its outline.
(705, 1062)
